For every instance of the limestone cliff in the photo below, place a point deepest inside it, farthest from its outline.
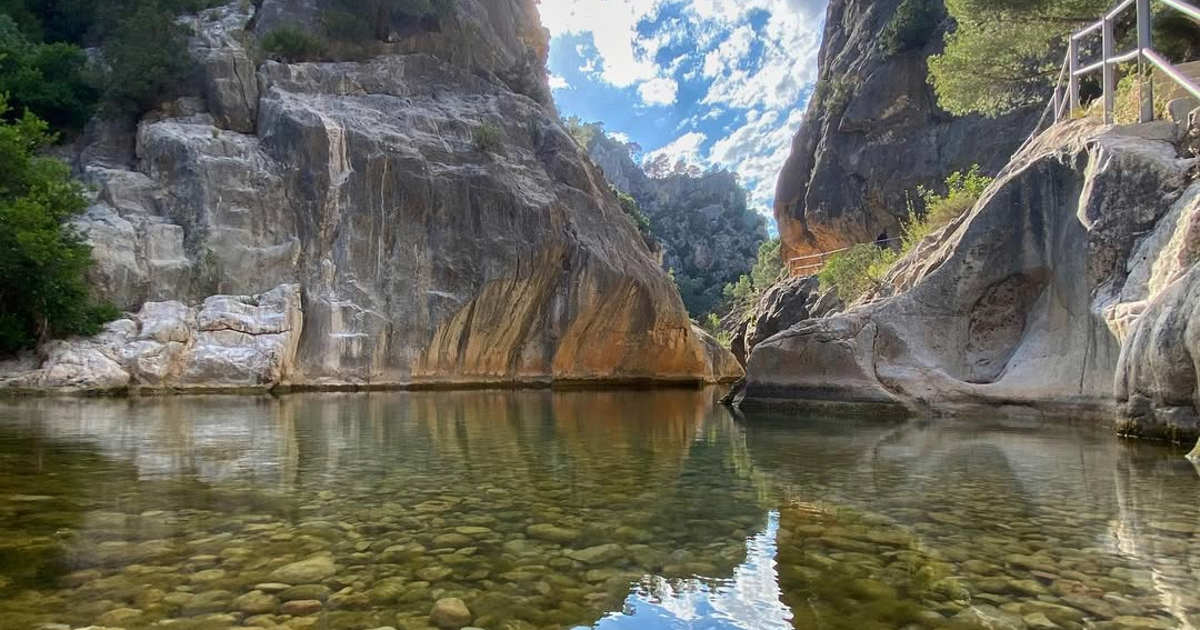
(1071, 287)
(873, 132)
(709, 237)
(440, 224)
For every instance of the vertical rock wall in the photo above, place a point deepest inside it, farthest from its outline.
(873, 132)
(440, 223)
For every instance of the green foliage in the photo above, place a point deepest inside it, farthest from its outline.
(47, 79)
(148, 60)
(712, 325)
(911, 27)
(583, 133)
(857, 270)
(740, 292)
(833, 94)
(1005, 54)
(145, 52)
(488, 137)
(43, 293)
(769, 265)
(639, 218)
(767, 269)
(853, 272)
(963, 189)
(292, 44)
(1127, 102)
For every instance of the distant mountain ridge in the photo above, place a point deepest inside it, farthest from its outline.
(710, 237)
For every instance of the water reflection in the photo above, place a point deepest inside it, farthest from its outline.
(750, 600)
(556, 509)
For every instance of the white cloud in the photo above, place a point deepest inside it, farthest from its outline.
(613, 27)
(619, 136)
(757, 59)
(685, 148)
(558, 83)
(658, 91)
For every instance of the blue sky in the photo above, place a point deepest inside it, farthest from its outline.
(712, 82)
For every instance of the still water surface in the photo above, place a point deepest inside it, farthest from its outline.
(612, 510)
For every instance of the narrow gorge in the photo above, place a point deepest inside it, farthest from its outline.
(608, 314)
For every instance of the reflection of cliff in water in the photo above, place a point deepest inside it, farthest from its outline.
(664, 475)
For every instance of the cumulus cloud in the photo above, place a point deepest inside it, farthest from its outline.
(613, 27)
(752, 61)
(658, 91)
(558, 83)
(685, 148)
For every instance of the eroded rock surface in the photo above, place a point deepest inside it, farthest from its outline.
(226, 342)
(1084, 246)
(423, 254)
(788, 302)
(708, 235)
(872, 133)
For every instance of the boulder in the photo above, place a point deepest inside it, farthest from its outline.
(1027, 299)
(787, 302)
(1158, 374)
(228, 342)
(450, 613)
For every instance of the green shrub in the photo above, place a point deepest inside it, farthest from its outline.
(1127, 102)
(963, 189)
(488, 138)
(768, 266)
(911, 27)
(148, 59)
(293, 44)
(633, 210)
(712, 325)
(833, 94)
(47, 79)
(1005, 54)
(43, 292)
(582, 133)
(857, 270)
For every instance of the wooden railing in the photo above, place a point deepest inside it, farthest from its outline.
(1066, 99)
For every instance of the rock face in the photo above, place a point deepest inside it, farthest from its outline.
(872, 133)
(423, 254)
(709, 237)
(227, 342)
(1078, 264)
(786, 303)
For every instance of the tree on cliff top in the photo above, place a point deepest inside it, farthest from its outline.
(43, 260)
(1005, 54)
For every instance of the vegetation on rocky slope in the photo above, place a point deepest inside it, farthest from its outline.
(144, 56)
(353, 29)
(1006, 54)
(857, 270)
(710, 238)
(43, 292)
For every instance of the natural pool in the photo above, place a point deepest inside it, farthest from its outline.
(562, 509)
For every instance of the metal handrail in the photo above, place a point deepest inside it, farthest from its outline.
(1144, 54)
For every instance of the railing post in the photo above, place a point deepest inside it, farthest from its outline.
(1144, 44)
(1072, 78)
(1110, 71)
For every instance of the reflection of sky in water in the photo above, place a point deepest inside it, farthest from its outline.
(750, 600)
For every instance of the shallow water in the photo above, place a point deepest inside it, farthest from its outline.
(608, 509)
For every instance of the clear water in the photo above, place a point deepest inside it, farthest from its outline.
(611, 510)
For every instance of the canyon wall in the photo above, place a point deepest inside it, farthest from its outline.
(437, 221)
(708, 235)
(1070, 288)
(873, 132)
